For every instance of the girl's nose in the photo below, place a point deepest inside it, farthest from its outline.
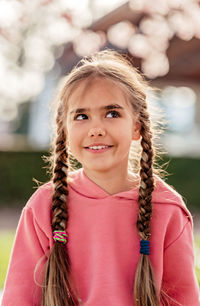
(96, 132)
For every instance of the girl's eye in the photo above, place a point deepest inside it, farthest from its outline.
(76, 117)
(115, 114)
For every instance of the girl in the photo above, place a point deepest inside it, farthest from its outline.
(105, 234)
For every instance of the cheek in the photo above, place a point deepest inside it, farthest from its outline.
(74, 137)
(70, 136)
(126, 132)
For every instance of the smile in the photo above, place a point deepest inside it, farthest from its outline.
(98, 149)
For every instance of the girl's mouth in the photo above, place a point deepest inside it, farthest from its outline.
(98, 149)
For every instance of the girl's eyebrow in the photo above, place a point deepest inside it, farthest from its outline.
(107, 107)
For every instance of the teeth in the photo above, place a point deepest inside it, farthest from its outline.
(98, 147)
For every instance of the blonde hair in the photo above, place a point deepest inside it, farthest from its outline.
(58, 287)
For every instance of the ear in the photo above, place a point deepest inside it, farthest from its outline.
(136, 131)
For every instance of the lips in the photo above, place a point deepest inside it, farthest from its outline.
(98, 149)
(98, 144)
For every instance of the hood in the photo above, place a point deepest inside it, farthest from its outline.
(162, 194)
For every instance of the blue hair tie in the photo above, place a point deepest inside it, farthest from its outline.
(144, 247)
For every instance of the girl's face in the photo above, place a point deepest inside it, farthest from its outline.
(100, 126)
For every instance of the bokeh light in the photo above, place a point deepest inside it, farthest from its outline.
(120, 34)
(179, 105)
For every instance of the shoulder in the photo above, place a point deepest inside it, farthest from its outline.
(40, 201)
(39, 204)
(170, 214)
(42, 194)
(167, 198)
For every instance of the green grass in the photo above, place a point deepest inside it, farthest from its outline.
(6, 242)
(197, 257)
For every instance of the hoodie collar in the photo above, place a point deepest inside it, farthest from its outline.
(162, 194)
(80, 183)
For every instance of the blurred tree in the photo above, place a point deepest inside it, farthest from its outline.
(32, 35)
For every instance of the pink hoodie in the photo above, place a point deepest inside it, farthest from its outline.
(104, 245)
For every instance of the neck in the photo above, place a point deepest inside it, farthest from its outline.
(113, 182)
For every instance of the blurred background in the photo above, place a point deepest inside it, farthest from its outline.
(40, 42)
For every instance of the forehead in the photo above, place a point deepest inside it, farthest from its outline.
(97, 92)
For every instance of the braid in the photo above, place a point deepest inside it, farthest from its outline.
(147, 181)
(60, 214)
(58, 286)
(144, 288)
